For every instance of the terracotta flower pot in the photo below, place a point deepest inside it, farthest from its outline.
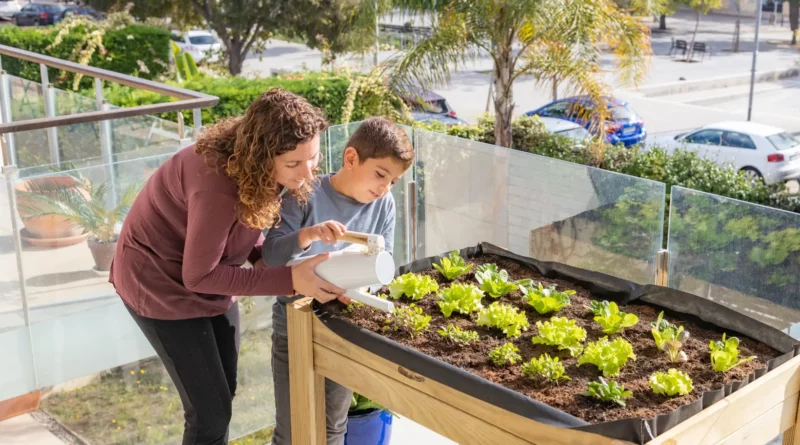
(102, 253)
(47, 226)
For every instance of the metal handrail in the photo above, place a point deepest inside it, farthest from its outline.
(189, 99)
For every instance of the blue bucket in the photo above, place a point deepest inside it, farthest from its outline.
(374, 428)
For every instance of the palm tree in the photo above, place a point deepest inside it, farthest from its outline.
(550, 40)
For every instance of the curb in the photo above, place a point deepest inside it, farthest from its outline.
(689, 86)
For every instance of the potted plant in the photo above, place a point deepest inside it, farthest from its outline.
(48, 229)
(368, 423)
(89, 214)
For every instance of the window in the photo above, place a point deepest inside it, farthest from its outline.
(623, 113)
(175, 38)
(706, 137)
(783, 141)
(737, 140)
(29, 8)
(202, 40)
(578, 133)
(558, 109)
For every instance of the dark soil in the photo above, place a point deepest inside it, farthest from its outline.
(566, 396)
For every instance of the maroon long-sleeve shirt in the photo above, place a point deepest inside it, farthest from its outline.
(181, 247)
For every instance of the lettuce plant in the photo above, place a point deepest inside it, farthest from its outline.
(609, 391)
(413, 286)
(462, 298)
(671, 383)
(454, 334)
(725, 354)
(453, 266)
(545, 366)
(609, 357)
(410, 319)
(504, 317)
(502, 355)
(561, 332)
(609, 317)
(669, 338)
(494, 281)
(545, 300)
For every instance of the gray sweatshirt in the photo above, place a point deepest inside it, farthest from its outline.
(281, 243)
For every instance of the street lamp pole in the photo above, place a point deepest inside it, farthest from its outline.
(755, 58)
(377, 30)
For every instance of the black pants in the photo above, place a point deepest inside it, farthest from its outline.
(201, 356)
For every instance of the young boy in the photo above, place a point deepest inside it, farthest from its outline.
(356, 198)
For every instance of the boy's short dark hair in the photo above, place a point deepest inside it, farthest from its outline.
(378, 138)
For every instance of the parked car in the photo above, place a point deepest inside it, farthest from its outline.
(201, 44)
(37, 14)
(8, 8)
(769, 6)
(80, 10)
(623, 125)
(761, 151)
(428, 106)
(565, 128)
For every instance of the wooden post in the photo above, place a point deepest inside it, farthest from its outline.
(306, 387)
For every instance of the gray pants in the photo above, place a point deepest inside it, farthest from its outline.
(337, 397)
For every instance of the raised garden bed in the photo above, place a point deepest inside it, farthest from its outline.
(468, 369)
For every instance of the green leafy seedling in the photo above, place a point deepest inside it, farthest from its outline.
(669, 338)
(671, 383)
(545, 300)
(725, 354)
(609, 357)
(453, 266)
(545, 366)
(561, 332)
(462, 298)
(609, 391)
(609, 317)
(410, 319)
(456, 335)
(503, 355)
(504, 317)
(413, 286)
(494, 281)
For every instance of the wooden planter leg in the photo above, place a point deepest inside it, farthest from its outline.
(306, 387)
(792, 435)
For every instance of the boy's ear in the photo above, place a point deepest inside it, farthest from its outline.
(350, 157)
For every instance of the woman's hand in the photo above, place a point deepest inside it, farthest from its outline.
(328, 232)
(308, 283)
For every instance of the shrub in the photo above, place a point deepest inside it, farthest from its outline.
(148, 44)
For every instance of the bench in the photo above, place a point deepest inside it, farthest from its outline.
(678, 45)
(700, 47)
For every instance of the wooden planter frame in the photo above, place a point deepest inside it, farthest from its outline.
(751, 416)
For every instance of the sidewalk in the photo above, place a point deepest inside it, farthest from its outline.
(25, 430)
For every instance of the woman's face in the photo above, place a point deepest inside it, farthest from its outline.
(294, 168)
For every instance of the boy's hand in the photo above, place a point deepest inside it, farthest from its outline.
(327, 232)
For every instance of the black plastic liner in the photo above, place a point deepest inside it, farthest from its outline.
(694, 309)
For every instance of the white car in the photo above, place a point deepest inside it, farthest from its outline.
(202, 45)
(565, 128)
(8, 8)
(761, 151)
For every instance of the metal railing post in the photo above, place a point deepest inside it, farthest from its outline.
(5, 115)
(198, 123)
(50, 111)
(662, 267)
(10, 172)
(411, 220)
(183, 141)
(106, 143)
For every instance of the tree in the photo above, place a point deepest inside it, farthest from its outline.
(700, 7)
(738, 27)
(546, 39)
(655, 8)
(338, 26)
(794, 18)
(241, 25)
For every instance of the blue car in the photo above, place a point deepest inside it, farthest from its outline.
(622, 126)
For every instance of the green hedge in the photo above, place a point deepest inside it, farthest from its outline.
(126, 46)
(326, 91)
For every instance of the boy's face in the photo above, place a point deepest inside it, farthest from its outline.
(373, 178)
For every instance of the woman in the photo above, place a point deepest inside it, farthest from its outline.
(195, 222)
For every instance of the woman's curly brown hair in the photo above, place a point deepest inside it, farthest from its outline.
(246, 147)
